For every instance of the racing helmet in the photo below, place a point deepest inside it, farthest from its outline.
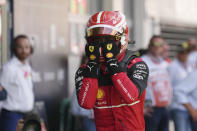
(108, 23)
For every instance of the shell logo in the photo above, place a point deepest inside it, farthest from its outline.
(109, 55)
(92, 57)
(100, 94)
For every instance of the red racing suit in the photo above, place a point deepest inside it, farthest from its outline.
(117, 100)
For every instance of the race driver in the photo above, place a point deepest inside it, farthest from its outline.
(113, 81)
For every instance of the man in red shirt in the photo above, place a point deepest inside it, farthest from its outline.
(113, 81)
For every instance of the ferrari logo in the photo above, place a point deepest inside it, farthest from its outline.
(100, 94)
(109, 46)
(91, 48)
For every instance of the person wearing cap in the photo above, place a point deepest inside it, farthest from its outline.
(17, 81)
(114, 80)
(158, 94)
(178, 70)
(192, 59)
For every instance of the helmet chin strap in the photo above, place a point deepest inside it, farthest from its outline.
(123, 40)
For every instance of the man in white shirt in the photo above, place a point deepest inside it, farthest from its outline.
(186, 94)
(178, 70)
(159, 89)
(16, 79)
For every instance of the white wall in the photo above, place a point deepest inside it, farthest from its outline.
(181, 12)
(149, 14)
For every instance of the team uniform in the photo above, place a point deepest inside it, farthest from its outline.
(117, 100)
(113, 81)
(159, 87)
(158, 92)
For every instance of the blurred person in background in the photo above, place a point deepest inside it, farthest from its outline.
(192, 60)
(20, 125)
(16, 79)
(113, 81)
(178, 70)
(185, 93)
(165, 53)
(31, 122)
(158, 95)
(87, 116)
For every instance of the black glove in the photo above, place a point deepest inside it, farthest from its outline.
(92, 67)
(110, 51)
(92, 52)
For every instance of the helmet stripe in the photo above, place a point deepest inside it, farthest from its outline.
(122, 21)
(99, 17)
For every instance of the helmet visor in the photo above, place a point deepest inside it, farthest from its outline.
(99, 31)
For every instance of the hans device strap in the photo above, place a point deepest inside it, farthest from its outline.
(129, 55)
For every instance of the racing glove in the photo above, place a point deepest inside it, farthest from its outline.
(92, 67)
(110, 51)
